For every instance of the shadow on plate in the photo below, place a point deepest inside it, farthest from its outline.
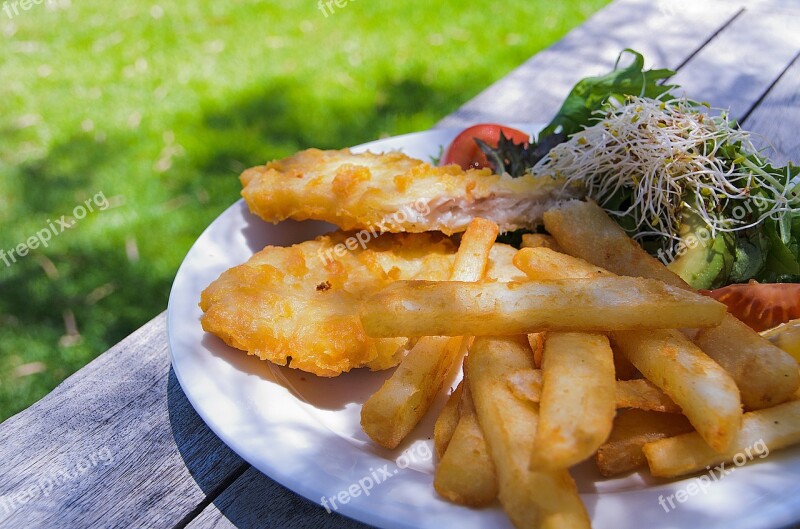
(232, 488)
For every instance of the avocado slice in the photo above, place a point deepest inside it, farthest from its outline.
(703, 261)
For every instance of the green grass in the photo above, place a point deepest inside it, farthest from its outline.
(159, 107)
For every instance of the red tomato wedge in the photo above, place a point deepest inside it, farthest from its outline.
(762, 306)
(466, 153)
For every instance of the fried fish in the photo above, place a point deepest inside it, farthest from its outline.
(299, 306)
(394, 193)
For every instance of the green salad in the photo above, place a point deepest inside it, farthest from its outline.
(682, 179)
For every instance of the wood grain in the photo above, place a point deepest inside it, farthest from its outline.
(255, 501)
(534, 91)
(740, 64)
(119, 443)
(776, 119)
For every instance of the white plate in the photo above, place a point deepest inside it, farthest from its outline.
(304, 431)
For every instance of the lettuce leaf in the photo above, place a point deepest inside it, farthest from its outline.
(593, 93)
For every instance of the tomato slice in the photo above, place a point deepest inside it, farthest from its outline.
(466, 153)
(762, 306)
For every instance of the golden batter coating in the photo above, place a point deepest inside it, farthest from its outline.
(394, 193)
(298, 306)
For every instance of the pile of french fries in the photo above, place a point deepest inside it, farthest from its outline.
(603, 353)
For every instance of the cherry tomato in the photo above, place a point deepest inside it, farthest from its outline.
(762, 306)
(466, 153)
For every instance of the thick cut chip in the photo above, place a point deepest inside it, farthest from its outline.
(466, 473)
(765, 374)
(542, 263)
(577, 405)
(393, 193)
(644, 395)
(762, 431)
(641, 393)
(525, 384)
(532, 498)
(447, 421)
(632, 430)
(538, 240)
(706, 393)
(404, 398)
(454, 308)
(298, 306)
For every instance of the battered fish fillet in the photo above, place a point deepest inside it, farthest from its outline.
(298, 306)
(394, 193)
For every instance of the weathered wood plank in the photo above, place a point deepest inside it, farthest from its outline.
(776, 119)
(740, 64)
(254, 500)
(116, 445)
(534, 91)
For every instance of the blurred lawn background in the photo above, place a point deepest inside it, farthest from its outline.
(159, 106)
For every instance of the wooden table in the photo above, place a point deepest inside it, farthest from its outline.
(167, 469)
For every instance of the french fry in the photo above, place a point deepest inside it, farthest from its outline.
(543, 264)
(762, 431)
(538, 240)
(473, 252)
(786, 336)
(525, 384)
(396, 408)
(447, 421)
(466, 473)
(641, 393)
(705, 392)
(765, 374)
(531, 498)
(577, 404)
(584, 229)
(622, 452)
(644, 395)
(450, 308)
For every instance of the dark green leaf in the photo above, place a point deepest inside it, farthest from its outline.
(592, 94)
(749, 259)
(781, 259)
(516, 158)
